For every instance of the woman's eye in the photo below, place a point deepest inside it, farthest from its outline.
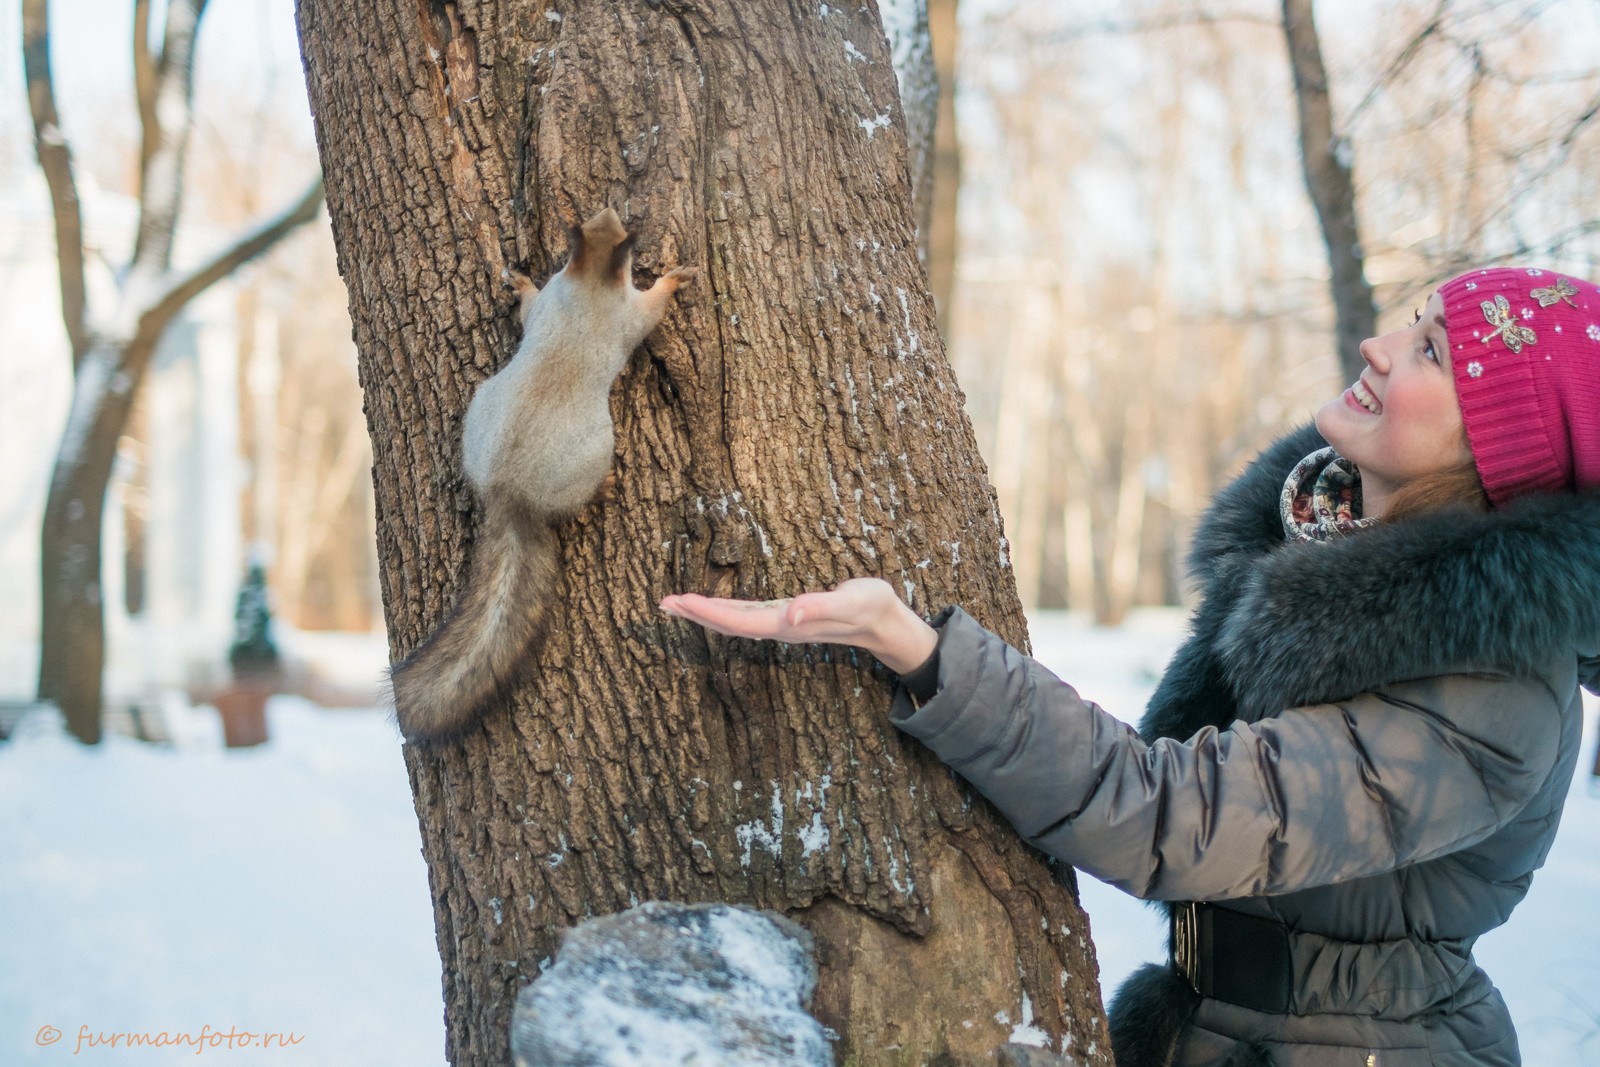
(1431, 352)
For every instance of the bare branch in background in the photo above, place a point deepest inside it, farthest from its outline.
(1549, 247)
(55, 160)
(1403, 59)
(247, 246)
(146, 77)
(165, 147)
(1563, 150)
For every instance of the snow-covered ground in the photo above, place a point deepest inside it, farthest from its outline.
(281, 891)
(277, 890)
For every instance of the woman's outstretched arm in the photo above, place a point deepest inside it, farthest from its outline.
(1312, 796)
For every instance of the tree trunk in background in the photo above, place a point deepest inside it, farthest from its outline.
(905, 22)
(922, 40)
(71, 610)
(793, 423)
(1327, 159)
(944, 31)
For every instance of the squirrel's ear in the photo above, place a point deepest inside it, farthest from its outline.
(621, 256)
(577, 259)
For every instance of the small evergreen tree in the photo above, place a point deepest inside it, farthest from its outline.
(253, 652)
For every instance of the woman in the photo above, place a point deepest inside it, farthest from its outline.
(1355, 763)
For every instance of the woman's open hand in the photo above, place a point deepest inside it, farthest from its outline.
(863, 612)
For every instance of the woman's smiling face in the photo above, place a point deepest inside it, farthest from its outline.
(1400, 420)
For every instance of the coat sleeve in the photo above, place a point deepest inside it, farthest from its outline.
(1313, 796)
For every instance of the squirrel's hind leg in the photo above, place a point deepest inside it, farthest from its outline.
(523, 286)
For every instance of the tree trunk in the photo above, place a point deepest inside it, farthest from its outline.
(71, 619)
(793, 423)
(1327, 161)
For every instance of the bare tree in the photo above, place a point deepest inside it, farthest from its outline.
(794, 422)
(1328, 158)
(112, 344)
(922, 39)
(905, 22)
(944, 32)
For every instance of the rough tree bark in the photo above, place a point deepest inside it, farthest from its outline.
(793, 423)
(1327, 159)
(112, 344)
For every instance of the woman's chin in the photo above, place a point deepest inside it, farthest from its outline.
(1329, 420)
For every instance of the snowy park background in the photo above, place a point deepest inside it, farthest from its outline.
(281, 889)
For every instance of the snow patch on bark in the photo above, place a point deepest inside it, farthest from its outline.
(753, 833)
(707, 984)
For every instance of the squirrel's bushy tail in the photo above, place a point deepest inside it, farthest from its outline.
(441, 688)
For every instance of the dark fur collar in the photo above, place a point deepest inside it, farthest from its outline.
(1286, 624)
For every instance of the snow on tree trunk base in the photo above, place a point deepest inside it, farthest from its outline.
(671, 984)
(662, 983)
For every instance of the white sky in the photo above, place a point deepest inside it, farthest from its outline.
(249, 46)
(245, 46)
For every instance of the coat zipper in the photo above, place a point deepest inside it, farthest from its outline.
(1372, 1059)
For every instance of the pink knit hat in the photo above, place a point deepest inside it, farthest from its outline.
(1525, 349)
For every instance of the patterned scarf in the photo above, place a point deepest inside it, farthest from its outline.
(1322, 498)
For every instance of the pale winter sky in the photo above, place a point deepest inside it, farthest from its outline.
(250, 46)
(247, 44)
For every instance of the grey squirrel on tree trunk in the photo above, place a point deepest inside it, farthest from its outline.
(537, 443)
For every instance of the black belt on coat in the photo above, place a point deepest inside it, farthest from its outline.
(1230, 956)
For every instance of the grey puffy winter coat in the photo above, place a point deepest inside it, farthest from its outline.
(1367, 740)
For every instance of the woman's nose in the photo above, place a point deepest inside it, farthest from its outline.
(1372, 350)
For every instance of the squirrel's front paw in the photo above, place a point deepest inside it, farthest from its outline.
(607, 492)
(678, 277)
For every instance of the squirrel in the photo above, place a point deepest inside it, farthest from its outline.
(537, 443)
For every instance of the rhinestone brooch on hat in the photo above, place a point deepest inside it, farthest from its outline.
(1499, 316)
(1561, 290)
